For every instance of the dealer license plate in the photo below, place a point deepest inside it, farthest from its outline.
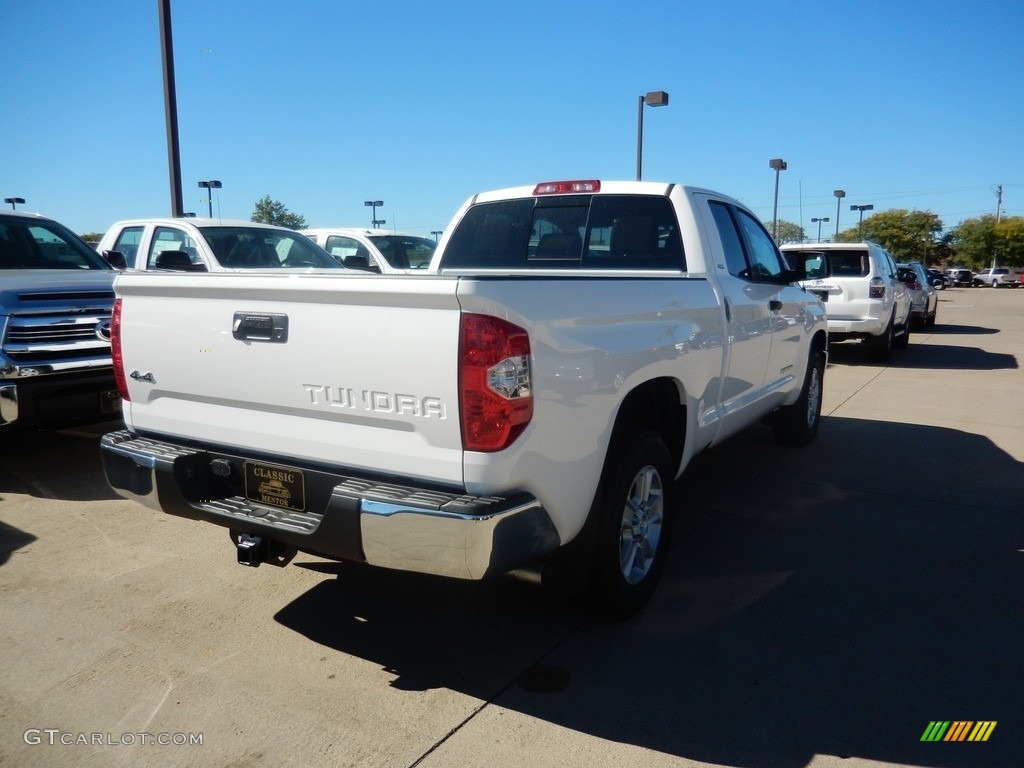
(275, 486)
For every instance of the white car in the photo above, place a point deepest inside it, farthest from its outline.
(209, 245)
(863, 295)
(375, 250)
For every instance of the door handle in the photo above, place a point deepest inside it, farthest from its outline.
(775, 305)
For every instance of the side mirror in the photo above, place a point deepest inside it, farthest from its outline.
(116, 259)
(361, 263)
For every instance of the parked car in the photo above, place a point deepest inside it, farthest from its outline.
(960, 277)
(374, 250)
(864, 298)
(924, 301)
(209, 245)
(997, 277)
(938, 279)
(56, 299)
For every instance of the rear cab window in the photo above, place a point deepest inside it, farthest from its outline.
(587, 232)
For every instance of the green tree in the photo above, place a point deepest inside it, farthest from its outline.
(269, 211)
(980, 240)
(907, 235)
(92, 238)
(788, 231)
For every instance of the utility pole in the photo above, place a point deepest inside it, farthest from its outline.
(999, 209)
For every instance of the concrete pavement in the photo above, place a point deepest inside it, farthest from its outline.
(822, 606)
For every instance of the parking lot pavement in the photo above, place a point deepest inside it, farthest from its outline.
(822, 607)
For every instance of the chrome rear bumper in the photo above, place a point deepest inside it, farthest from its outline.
(348, 516)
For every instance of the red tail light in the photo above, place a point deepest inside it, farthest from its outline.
(115, 351)
(876, 288)
(495, 390)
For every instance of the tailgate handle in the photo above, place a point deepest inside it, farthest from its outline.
(260, 326)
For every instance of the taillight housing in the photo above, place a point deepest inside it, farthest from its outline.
(495, 388)
(876, 288)
(115, 351)
(567, 187)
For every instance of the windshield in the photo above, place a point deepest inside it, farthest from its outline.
(41, 244)
(261, 248)
(404, 251)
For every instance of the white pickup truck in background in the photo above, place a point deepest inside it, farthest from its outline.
(375, 250)
(529, 402)
(208, 245)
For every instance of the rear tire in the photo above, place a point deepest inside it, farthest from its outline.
(882, 346)
(633, 506)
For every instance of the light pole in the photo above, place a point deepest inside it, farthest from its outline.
(210, 185)
(777, 164)
(14, 201)
(819, 226)
(436, 233)
(651, 99)
(840, 194)
(860, 224)
(374, 204)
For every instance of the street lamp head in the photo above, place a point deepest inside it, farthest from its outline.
(211, 184)
(372, 203)
(656, 99)
(777, 164)
(839, 193)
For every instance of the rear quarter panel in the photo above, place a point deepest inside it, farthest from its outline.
(593, 341)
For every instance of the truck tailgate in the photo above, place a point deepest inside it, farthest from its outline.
(357, 371)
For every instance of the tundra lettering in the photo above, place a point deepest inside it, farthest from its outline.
(376, 401)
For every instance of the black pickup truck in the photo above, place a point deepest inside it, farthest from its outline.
(56, 295)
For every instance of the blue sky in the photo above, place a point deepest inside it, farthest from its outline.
(325, 104)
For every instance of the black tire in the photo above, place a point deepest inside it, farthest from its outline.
(633, 508)
(797, 424)
(882, 346)
(903, 340)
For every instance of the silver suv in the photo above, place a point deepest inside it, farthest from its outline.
(864, 298)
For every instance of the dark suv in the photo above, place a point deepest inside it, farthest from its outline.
(56, 296)
(960, 277)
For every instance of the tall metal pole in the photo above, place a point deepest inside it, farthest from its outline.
(170, 108)
(639, 137)
(840, 194)
(777, 164)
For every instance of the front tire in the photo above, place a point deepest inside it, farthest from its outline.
(797, 424)
(633, 505)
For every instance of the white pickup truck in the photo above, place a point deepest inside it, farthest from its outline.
(528, 403)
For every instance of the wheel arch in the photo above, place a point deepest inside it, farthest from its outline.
(657, 404)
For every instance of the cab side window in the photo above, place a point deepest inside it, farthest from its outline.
(170, 239)
(128, 240)
(765, 262)
(749, 251)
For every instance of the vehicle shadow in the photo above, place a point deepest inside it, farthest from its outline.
(11, 540)
(930, 356)
(962, 330)
(832, 610)
(56, 465)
